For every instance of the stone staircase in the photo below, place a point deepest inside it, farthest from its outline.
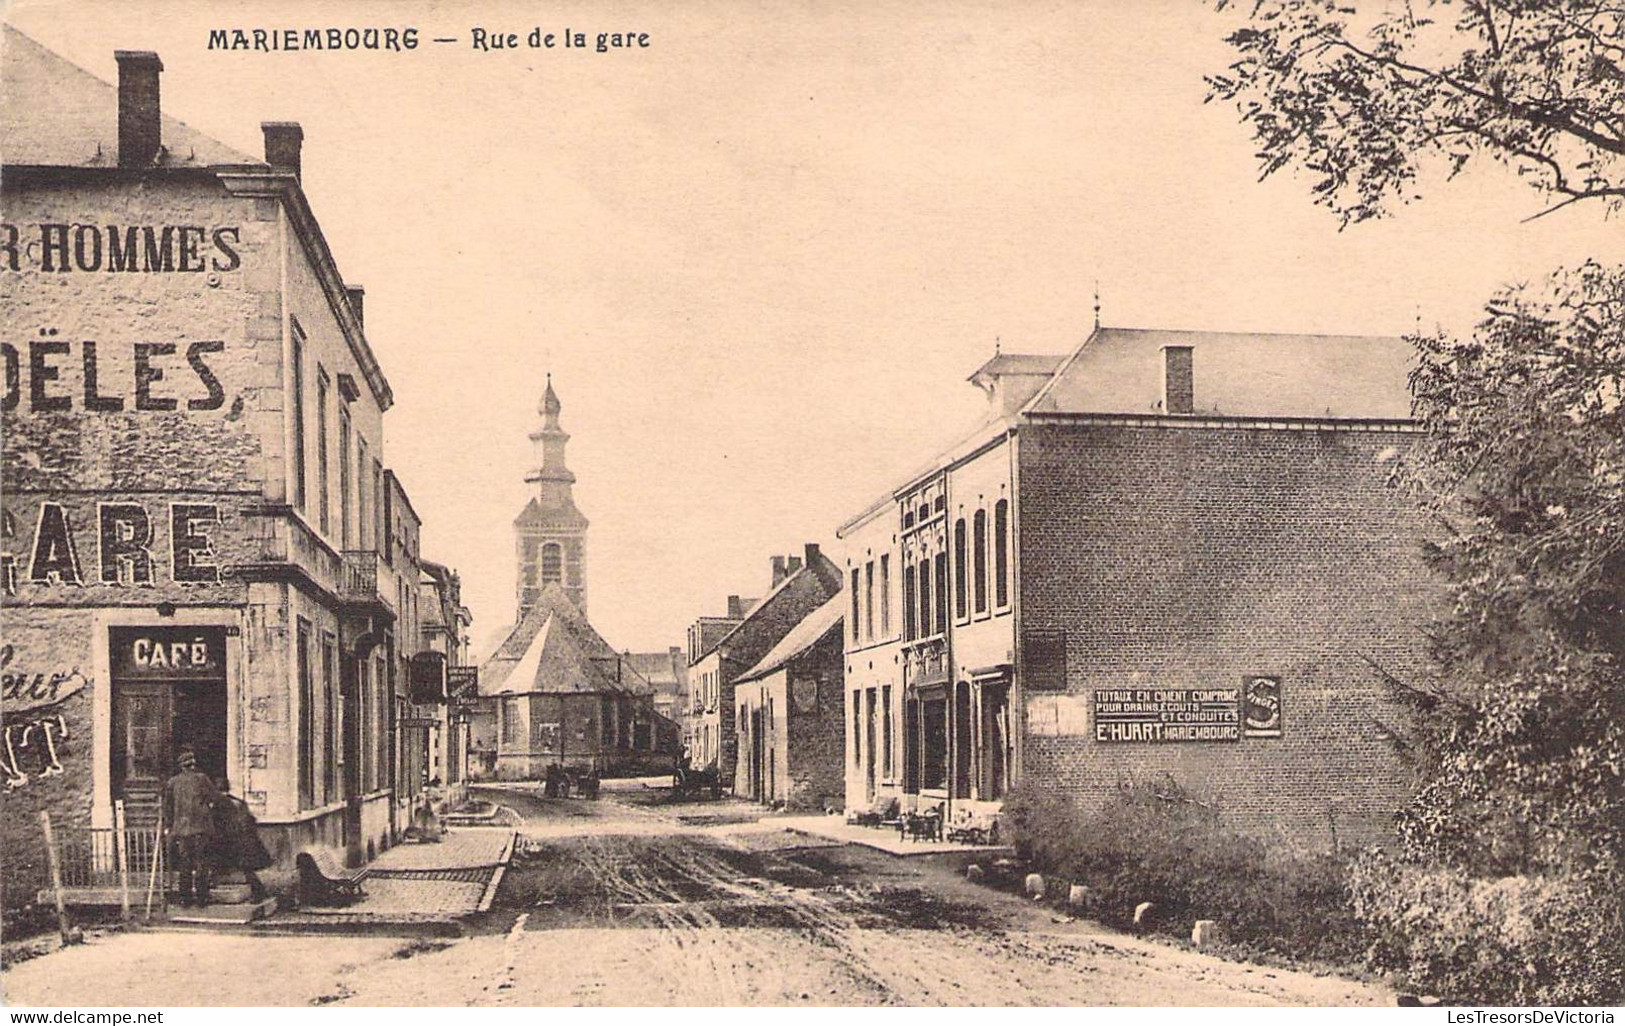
(231, 902)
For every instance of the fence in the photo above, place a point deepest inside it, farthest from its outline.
(118, 865)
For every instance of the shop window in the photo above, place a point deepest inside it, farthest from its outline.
(979, 560)
(934, 743)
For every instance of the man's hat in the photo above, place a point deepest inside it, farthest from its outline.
(186, 759)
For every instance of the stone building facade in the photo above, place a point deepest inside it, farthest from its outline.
(1165, 555)
(192, 477)
(791, 719)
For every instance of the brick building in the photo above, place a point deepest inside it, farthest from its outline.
(797, 588)
(790, 717)
(667, 674)
(193, 504)
(703, 634)
(1163, 554)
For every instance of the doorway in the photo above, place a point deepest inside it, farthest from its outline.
(168, 693)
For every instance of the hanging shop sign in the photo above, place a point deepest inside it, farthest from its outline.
(428, 677)
(463, 682)
(1261, 706)
(1156, 715)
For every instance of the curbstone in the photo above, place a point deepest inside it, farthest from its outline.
(1077, 895)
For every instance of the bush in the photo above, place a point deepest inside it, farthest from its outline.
(1520, 940)
(1159, 844)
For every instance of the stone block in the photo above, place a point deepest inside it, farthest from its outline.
(975, 873)
(1206, 932)
(1143, 913)
(1034, 885)
(1077, 895)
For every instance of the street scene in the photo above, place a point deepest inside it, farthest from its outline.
(1081, 504)
(653, 900)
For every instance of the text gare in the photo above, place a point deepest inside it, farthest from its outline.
(124, 542)
(147, 383)
(60, 247)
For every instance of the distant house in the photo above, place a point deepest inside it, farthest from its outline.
(798, 589)
(791, 717)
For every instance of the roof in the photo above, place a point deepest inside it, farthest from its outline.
(1019, 363)
(812, 629)
(663, 670)
(554, 649)
(1237, 374)
(54, 113)
(565, 516)
(753, 631)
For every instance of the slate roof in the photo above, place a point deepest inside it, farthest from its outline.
(1019, 363)
(812, 629)
(553, 650)
(1237, 374)
(54, 113)
(566, 516)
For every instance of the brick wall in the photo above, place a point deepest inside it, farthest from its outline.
(816, 737)
(1190, 557)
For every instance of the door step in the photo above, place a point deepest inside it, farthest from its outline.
(224, 914)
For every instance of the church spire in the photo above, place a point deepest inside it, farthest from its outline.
(550, 475)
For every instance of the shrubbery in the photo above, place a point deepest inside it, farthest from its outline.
(1159, 844)
(1523, 940)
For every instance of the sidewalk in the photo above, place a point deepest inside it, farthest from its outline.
(880, 838)
(416, 883)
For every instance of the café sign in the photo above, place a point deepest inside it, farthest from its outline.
(1159, 715)
(168, 653)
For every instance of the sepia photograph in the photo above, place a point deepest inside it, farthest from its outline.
(720, 504)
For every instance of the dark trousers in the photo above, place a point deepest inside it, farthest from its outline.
(192, 862)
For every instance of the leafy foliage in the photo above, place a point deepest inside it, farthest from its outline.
(1520, 940)
(1524, 467)
(1366, 102)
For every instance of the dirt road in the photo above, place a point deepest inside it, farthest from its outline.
(638, 900)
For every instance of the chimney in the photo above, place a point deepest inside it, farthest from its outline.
(140, 136)
(1178, 388)
(811, 551)
(736, 608)
(283, 141)
(358, 296)
(779, 571)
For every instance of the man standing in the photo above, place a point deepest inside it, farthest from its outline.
(189, 798)
(239, 837)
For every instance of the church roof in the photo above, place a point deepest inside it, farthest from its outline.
(54, 113)
(553, 649)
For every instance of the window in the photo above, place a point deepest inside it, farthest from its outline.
(942, 592)
(925, 596)
(331, 745)
(885, 595)
(869, 600)
(979, 560)
(378, 502)
(321, 450)
(552, 563)
(363, 523)
(1001, 553)
(344, 478)
(934, 727)
(297, 402)
(911, 746)
(857, 729)
(856, 626)
(512, 723)
(886, 732)
(961, 606)
(908, 603)
(307, 719)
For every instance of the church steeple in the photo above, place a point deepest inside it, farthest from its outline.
(551, 532)
(550, 475)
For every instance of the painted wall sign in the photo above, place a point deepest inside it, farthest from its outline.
(1261, 706)
(113, 377)
(24, 689)
(1153, 715)
(168, 653)
(32, 745)
(113, 249)
(122, 545)
(804, 694)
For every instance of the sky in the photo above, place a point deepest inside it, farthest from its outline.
(761, 256)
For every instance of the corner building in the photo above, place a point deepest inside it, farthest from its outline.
(1164, 555)
(192, 475)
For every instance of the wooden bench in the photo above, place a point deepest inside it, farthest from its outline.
(323, 880)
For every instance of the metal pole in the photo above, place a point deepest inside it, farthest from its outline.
(56, 877)
(122, 849)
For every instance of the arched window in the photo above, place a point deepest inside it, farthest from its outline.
(942, 592)
(552, 563)
(979, 558)
(960, 595)
(1001, 553)
(925, 597)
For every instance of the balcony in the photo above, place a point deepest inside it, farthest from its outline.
(366, 582)
(280, 547)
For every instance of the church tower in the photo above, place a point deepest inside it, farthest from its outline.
(551, 532)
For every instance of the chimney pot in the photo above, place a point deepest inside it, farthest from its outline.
(1178, 385)
(140, 133)
(283, 142)
(810, 550)
(358, 296)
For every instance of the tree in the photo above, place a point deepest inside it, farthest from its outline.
(1521, 733)
(1367, 103)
